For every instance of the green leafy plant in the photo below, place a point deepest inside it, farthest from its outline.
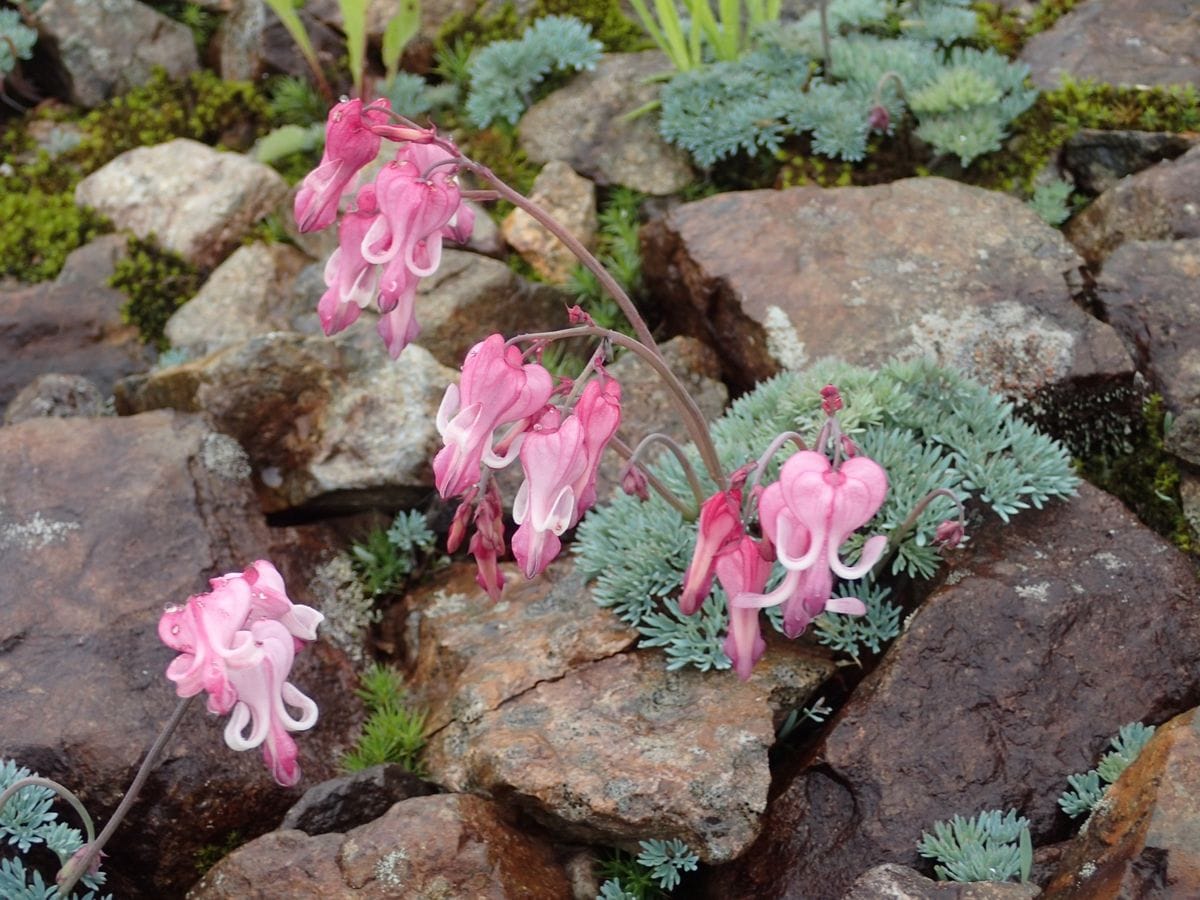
(688, 35)
(16, 41)
(394, 732)
(652, 874)
(28, 821)
(993, 846)
(888, 60)
(1087, 788)
(618, 247)
(389, 556)
(40, 230)
(504, 73)
(927, 427)
(156, 282)
(1051, 201)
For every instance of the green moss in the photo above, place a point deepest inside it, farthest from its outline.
(1008, 32)
(478, 30)
(211, 854)
(40, 230)
(156, 282)
(610, 26)
(1144, 476)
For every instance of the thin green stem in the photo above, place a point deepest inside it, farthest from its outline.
(77, 868)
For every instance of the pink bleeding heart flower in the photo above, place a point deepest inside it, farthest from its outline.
(599, 412)
(743, 569)
(350, 280)
(418, 197)
(269, 600)
(554, 457)
(263, 697)
(208, 634)
(349, 145)
(720, 528)
(398, 324)
(807, 515)
(496, 389)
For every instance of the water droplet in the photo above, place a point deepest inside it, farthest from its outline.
(174, 629)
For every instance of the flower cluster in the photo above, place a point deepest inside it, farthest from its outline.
(392, 235)
(559, 447)
(237, 643)
(805, 516)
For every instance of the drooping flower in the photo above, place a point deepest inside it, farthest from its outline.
(554, 457)
(350, 280)
(807, 515)
(599, 412)
(237, 644)
(487, 543)
(263, 695)
(496, 389)
(349, 145)
(743, 569)
(720, 527)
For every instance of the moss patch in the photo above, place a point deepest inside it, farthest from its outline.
(156, 283)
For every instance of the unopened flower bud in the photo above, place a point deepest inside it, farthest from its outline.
(878, 119)
(831, 400)
(949, 534)
(849, 447)
(633, 482)
(576, 316)
(458, 525)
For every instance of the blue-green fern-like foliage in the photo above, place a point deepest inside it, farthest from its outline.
(993, 846)
(927, 426)
(504, 73)
(962, 99)
(1087, 788)
(16, 41)
(28, 820)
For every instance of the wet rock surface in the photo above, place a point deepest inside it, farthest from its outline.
(442, 846)
(1046, 636)
(925, 267)
(1144, 840)
(102, 523)
(196, 201)
(1131, 42)
(71, 325)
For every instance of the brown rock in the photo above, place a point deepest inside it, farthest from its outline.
(1045, 637)
(620, 749)
(1144, 838)
(56, 396)
(1159, 203)
(1098, 159)
(353, 799)
(921, 266)
(549, 626)
(71, 325)
(102, 523)
(902, 883)
(1148, 290)
(583, 123)
(330, 421)
(252, 42)
(452, 846)
(569, 198)
(1119, 42)
(196, 201)
(471, 296)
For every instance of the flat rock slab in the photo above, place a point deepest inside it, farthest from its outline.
(103, 522)
(1119, 42)
(71, 325)
(1149, 292)
(620, 750)
(1159, 203)
(333, 422)
(471, 655)
(1144, 839)
(902, 883)
(105, 47)
(1046, 637)
(583, 125)
(196, 201)
(447, 846)
(969, 277)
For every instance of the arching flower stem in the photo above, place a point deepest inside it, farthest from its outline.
(658, 437)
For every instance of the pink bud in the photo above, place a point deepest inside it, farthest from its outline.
(831, 400)
(878, 118)
(949, 534)
(576, 316)
(633, 482)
